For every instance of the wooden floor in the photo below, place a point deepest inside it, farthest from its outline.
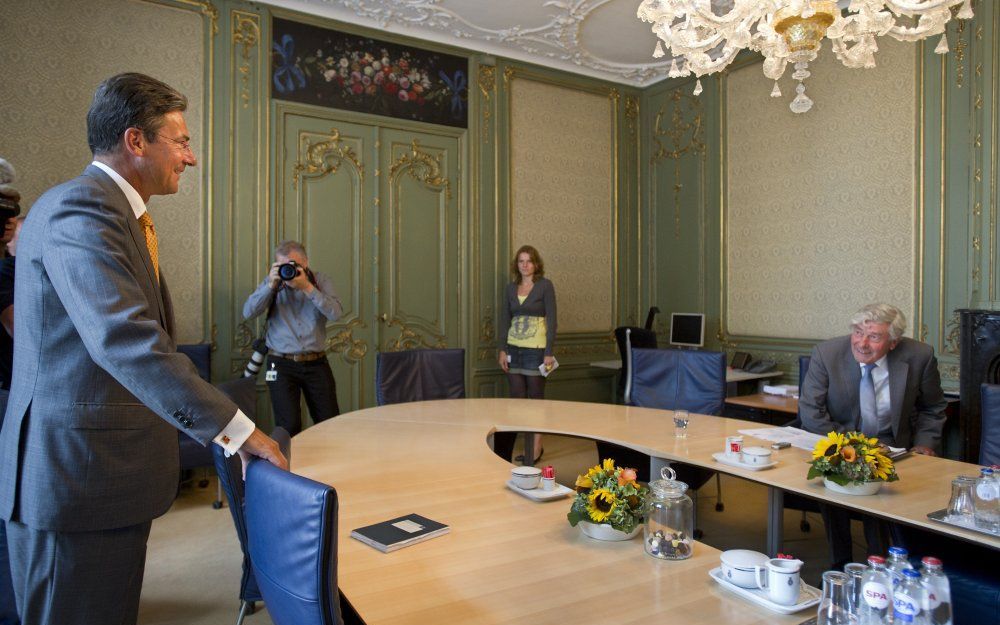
(193, 567)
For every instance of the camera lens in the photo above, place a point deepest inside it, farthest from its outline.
(288, 271)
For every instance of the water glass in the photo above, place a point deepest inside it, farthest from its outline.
(681, 420)
(961, 508)
(835, 606)
(855, 570)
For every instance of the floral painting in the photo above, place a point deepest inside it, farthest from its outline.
(316, 65)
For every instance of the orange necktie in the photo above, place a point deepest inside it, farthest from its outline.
(147, 227)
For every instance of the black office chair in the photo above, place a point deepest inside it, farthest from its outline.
(194, 455)
(419, 375)
(291, 524)
(793, 501)
(672, 379)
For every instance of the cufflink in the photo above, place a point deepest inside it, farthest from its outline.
(225, 440)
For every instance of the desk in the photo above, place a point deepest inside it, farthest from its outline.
(762, 407)
(510, 560)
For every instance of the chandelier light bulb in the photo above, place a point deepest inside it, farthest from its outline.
(784, 32)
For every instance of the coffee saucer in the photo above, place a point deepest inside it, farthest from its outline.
(735, 462)
(538, 494)
(809, 596)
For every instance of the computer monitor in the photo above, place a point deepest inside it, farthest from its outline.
(687, 329)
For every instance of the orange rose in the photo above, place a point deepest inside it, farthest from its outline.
(626, 476)
(849, 454)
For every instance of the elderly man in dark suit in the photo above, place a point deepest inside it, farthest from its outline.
(88, 451)
(878, 382)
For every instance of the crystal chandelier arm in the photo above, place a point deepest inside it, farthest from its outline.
(741, 11)
(916, 7)
(928, 25)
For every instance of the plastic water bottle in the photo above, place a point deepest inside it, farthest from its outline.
(938, 591)
(986, 499)
(875, 606)
(897, 563)
(908, 600)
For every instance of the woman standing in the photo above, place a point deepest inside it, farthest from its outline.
(527, 328)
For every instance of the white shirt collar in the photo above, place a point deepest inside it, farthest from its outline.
(880, 365)
(134, 200)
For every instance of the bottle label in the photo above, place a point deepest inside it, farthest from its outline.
(932, 599)
(876, 595)
(904, 608)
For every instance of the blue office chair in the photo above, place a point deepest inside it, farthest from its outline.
(291, 524)
(419, 375)
(673, 379)
(193, 455)
(989, 444)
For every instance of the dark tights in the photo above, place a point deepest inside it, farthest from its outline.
(526, 386)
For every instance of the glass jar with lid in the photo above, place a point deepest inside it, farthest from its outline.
(669, 518)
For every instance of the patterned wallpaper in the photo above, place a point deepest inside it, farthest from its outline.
(561, 168)
(54, 55)
(820, 211)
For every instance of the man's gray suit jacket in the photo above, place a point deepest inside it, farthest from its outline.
(829, 397)
(87, 443)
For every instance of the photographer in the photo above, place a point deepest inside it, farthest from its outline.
(298, 304)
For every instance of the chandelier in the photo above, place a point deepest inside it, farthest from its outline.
(704, 37)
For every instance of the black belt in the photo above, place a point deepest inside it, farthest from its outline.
(304, 357)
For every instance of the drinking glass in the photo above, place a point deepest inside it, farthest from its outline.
(835, 607)
(961, 508)
(854, 571)
(681, 420)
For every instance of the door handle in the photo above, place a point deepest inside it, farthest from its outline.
(384, 318)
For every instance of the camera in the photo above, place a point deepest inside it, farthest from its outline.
(256, 359)
(288, 271)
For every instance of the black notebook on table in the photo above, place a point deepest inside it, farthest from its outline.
(399, 532)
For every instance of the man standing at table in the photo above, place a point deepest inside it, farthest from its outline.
(880, 383)
(88, 456)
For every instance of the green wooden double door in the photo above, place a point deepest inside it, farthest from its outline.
(380, 210)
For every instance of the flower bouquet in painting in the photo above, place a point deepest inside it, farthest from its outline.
(609, 502)
(851, 463)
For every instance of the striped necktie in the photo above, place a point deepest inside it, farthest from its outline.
(147, 228)
(869, 404)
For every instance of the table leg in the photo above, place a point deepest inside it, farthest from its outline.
(529, 449)
(775, 520)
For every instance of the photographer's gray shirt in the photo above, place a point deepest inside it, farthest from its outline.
(298, 322)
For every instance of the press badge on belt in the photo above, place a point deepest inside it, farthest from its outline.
(271, 375)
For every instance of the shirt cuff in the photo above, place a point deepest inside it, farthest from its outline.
(232, 437)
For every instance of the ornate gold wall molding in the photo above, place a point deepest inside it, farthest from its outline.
(487, 331)
(352, 350)
(685, 135)
(411, 339)
(246, 33)
(631, 114)
(208, 9)
(319, 158)
(243, 336)
(487, 85)
(422, 167)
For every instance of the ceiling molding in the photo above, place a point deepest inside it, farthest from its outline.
(571, 35)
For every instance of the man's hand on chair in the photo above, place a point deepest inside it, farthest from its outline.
(262, 446)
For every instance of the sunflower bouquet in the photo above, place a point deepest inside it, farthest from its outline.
(851, 458)
(609, 494)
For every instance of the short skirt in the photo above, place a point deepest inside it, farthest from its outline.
(525, 360)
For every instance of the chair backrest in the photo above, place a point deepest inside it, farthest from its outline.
(193, 454)
(674, 379)
(419, 375)
(230, 471)
(292, 533)
(628, 337)
(989, 446)
(201, 355)
(803, 369)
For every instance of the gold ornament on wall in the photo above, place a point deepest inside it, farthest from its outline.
(246, 33)
(352, 350)
(411, 339)
(206, 8)
(423, 167)
(487, 83)
(317, 159)
(685, 137)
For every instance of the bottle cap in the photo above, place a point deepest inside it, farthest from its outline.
(914, 573)
(876, 560)
(898, 551)
(931, 561)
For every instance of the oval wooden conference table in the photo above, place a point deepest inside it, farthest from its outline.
(508, 559)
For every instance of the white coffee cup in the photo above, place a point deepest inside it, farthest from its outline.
(781, 580)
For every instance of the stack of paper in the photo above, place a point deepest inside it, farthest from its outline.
(785, 390)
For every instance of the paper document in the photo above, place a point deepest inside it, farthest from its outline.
(799, 438)
(545, 371)
(785, 390)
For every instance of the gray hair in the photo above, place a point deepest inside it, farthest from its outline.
(882, 313)
(288, 246)
(126, 101)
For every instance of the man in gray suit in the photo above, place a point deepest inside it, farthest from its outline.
(878, 382)
(88, 451)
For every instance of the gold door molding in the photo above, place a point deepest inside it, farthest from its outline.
(320, 155)
(421, 166)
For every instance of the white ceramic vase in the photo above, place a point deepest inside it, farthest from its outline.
(865, 488)
(603, 531)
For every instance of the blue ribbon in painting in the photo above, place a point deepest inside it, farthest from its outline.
(457, 86)
(286, 74)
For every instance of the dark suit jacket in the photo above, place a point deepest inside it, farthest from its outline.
(87, 443)
(828, 399)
